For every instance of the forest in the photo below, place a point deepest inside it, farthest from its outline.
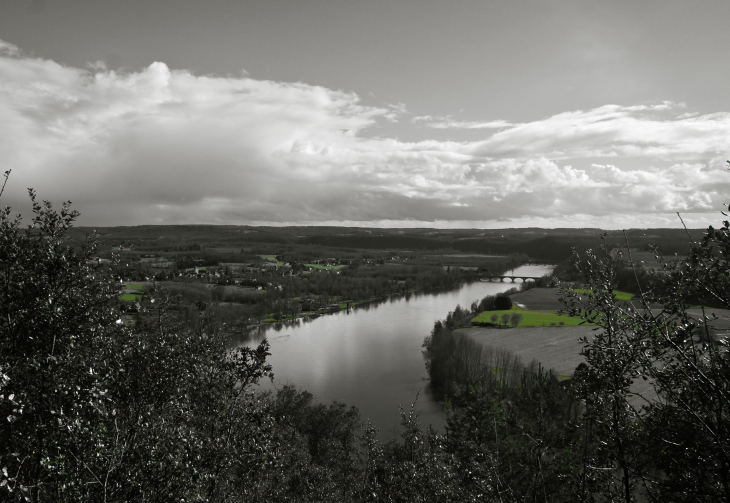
(98, 407)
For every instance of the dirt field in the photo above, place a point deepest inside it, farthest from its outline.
(556, 348)
(538, 299)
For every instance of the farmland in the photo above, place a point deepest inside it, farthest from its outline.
(556, 348)
(528, 318)
(617, 293)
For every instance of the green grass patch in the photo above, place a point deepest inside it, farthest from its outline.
(618, 293)
(134, 286)
(326, 267)
(130, 297)
(530, 318)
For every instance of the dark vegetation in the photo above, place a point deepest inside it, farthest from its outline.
(154, 406)
(549, 245)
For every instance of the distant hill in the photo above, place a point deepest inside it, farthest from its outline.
(550, 245)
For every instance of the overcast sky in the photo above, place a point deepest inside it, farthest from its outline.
(396, 113)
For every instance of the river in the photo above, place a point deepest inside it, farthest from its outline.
(372, 357)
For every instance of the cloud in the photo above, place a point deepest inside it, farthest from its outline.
(613, 130)
(448, 123)
(160, 145)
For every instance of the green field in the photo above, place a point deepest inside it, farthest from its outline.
(134, 286)
(326, 267)
(530, 318)
(130, 297)
(618, 293)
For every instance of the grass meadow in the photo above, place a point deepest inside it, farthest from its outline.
(529, 318)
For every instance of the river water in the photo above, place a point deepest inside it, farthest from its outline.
(372, 357)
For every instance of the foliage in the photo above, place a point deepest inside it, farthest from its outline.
(676, 447)
(55, 321)
(612, 357)
(94, 410)
(502, 303)
(516, 441)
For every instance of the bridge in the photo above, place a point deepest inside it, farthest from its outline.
(501, 278)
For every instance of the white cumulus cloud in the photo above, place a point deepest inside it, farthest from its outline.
(165, 145)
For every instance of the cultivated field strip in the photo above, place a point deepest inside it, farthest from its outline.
(556, 348)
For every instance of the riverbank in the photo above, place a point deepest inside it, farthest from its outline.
(347, 305)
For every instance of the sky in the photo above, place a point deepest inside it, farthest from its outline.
(397, 113)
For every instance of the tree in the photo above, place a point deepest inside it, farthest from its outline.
(613, 361)
(55, 318)
(502, 303)
(514, 441)
(672, 442)
(97, 409)
(689, 430)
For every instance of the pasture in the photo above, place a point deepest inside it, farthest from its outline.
(131, 292)
(529, 318)
(618, 293)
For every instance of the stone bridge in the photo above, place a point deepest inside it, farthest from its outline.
(502, 278)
